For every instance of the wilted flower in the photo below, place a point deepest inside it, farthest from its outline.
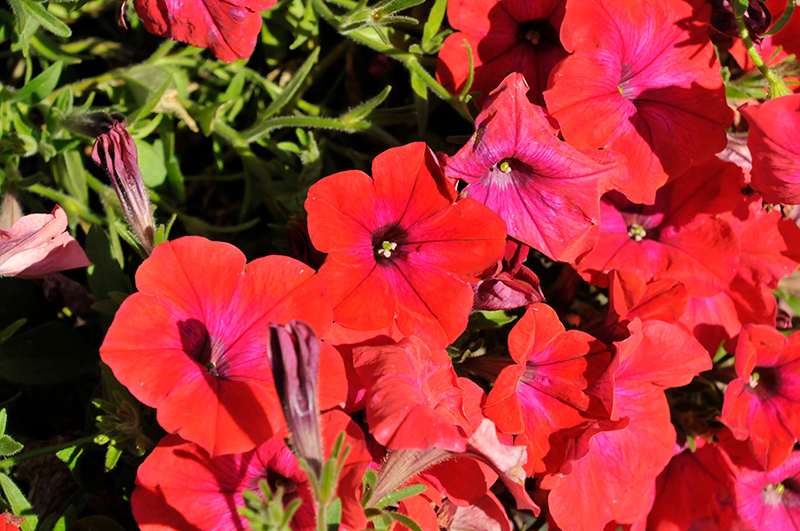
(116, 152)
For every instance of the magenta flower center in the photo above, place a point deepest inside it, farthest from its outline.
(764, 382)
(387, 243)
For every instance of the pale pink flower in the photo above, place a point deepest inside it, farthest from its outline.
(38, 244)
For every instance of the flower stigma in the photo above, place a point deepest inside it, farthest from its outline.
(504, 166)
(773, 493)
(753, 383)
(636, 232)
(386, 249)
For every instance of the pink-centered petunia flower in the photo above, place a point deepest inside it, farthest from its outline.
(761, 404)
(228, 27)
(547, 191)
(192, 343)
(681, 237)
(618, 460)
(39, 244)
(642, 80)
(770, 500)
(401, 246)
(181, 487)
(543, 395)
(776, 154)
(503, 36)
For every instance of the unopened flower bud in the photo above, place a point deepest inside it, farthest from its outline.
(115, 150)
(293, 352)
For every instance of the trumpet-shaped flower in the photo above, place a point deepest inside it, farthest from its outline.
(503, 36)
(761, 404)
(642, 80)
(401, 247)
(547, 191)
(192, 343)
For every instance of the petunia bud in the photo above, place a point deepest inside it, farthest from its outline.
(756, 16)
(115, 150)
(293, 352)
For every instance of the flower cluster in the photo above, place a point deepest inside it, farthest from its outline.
(606, 151)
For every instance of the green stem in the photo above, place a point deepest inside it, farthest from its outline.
(253, 134)
(777, 87)
(67, 202)
(11, 461)
(322, 516)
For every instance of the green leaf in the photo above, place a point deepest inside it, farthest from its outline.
(293, 86)
(46, 355)
(366, 108)
(406, 521)
(73, 175)
(775, 28)
(4, 336)
(70, 456)
(112, 457)
(106, 275)
(400, 494)
(30, 11)
(235, 87)
(334, 515)
(9, 446)
(433, 23)
(151, 101)
(41, 86)
(151, 162)
(735, 93)
(19, 505)
(470, 73)
(3, 420)
(420, 101)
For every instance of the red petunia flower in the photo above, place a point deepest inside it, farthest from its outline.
(680, 237)
(694, 492)
(413, 397)
(547, 191)
(643, 80)
(776, 154)
(543, 396)
(504, 36)
(761, 404)
(181, 487)
(192, 343)
(401, 247)
(618, 460)
(229, 27)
